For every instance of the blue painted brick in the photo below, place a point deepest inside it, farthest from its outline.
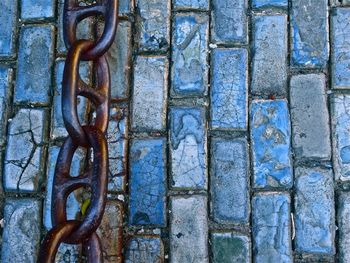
(8, 20)
(314, 211)
(229, 89)
(153, 24)
(191, 4)
(144, 249)
(124, 7)
(343, 219)
(188, 148)
(272, 3)
(189, 72)
(229, 180)
(37, 9)
(270, 134)
(5, 79)
(272, 228)
(35, 60)
(147, 182)
(340, 48)
(229, 21)
(309, 32)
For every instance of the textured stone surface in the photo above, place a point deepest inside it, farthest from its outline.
(189, 71)
(147, 182)
(153, 24)
(144, 250)
(21, 236)
(343, 219)
(34, 9)
(68, 254)
(25, 152)
(189, 229)
(229, 84)
(309, 32)
(35, 59)
(314, 211)
(270, 134)
(58, 129)
(8, 19)
(124, 7)
(341, 50)
(188, 148)
(340, 105)
(269, 3)
(230, 247)
(310, 118)
(229, 21)
(229, 180)
(269, 61)
(150, 93)
(191, 4)
(271, 228)
(5, 79)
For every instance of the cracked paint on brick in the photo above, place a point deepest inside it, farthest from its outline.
(144, 250)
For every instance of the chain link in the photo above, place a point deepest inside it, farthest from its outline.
(88, 136)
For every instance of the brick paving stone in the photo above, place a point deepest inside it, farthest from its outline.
(272, 228)
(188, 229)
(310, 118)
(117, 149)
(68, 254)
(125, 7)
(110, 232)
(191, 4)
(230, 247)
(189, 71)
(314, 211)
(37, 9)
(229, 84)
(8, 19)
(269, 61)
(58, 129)
(188, 148)
(35, 59)
(270, 134)
(229, 180)
(269, 3)
(153, 25)
(150, 93)
(23, 164)
(147, 182)
(341, 136)
(229, 21)
(21, 236)
(340, 48)
(144, 250)
(343, 216)
(5, 91)
(309, 33)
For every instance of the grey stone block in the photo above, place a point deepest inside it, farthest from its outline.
(144, 249)
(272, 228)
(150, 93)
(191, 4)
(35, 60)
(229, 180)
(37, 9)
(21, 236)
(314, 211)
(189, 229)
(5, 92)
(343, 219)
(310, 118)
(8, 20)
(269, 61)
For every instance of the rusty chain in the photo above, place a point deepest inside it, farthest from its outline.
(88, 136)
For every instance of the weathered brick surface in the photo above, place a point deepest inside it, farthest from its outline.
(8, 19)
(269, 3)
(147, 182)
(229, 180)
(229, 247)
(144, 249)
(314, 211)
(189, 71)
(269, 61)
(21, 237)
(229, 21)
(309, 32)
(271, 228)
(35, 59)
(343, 219)
(5, 92)
(189, 229)
(125, 7)
(188, 148)
(340, 48)
(229, 84)
(310, 119)
(37, 9)
(191, 4)
(271, 152)
(150, 93)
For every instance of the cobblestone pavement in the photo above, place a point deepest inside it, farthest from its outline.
(229, 134)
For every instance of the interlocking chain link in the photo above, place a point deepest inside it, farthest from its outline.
(88, 136)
